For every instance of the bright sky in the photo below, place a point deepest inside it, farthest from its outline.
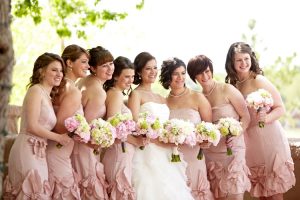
(185, 28)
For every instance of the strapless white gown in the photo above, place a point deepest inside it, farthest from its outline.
(154, 176)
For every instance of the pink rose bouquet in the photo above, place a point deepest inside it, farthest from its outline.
(77, 125)
(124, 126)
(148, 125)
(258, 99)
(178, 131)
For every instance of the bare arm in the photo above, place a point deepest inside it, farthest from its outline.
(32, 108)
(134, 104)
(114, 103)
(204, 108)
(95, 101)
(278, 108)
(67, 108)
(238, 102)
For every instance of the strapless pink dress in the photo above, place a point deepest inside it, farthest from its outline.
(227, 174)
(118, 169)
(62, 175)
(269, 158)
(90, 170)
(196, 169)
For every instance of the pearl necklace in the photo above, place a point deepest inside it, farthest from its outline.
(211, 90)
(70, 80)
(178, 95)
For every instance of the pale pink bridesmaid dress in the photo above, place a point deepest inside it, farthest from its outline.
(90, 170)
(27, 166)
(63, 178)
(196, 169)
(228, 175)
(269, 158)
(118, 169)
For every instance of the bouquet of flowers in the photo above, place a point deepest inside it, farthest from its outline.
(77, 125)
(124, 126)
(259, 99)
(178, 132)
(229, 127)
(148, 125)
(206, 131)
(102, 133)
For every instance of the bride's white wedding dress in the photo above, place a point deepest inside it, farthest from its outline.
(154, 176)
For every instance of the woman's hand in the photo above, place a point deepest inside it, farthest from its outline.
(205, 144)
(63, 139)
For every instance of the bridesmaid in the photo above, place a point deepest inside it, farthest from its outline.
(67, 104)
(188, 105)
(86, 163)
(267, 149)
(27, 166)
(228, 175)
(118, 165)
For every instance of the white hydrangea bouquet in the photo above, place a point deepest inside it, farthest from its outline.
(77, 125)
(148, 126)
(124, 126)
(178, 131)
(258, 99)
(206, 131)
(229, 127)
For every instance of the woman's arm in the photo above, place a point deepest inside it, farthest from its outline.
(204, 108)
(32, 109)
(134, 104)
(278, 108)
(238, 102)
(70, 103)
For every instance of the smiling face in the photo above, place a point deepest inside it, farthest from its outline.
(80, 66)
(125, 79)
(149, 72)
(242, 63)
(205, 78)
(104, 72)
(53, 74)
(178, 78)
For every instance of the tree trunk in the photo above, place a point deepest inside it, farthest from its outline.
(6, 66)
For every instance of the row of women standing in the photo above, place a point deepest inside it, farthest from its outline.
(261, 162)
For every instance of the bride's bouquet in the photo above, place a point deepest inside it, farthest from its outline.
(148, 125)
(77, 125)
(124, 126)
(177, 131)
(206, 132)
(259, 99)
(229, 127)
(102, 133)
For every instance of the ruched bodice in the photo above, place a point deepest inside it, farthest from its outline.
(186, 114)
(224, 110)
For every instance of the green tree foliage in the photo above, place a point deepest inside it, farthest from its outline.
(69, 16)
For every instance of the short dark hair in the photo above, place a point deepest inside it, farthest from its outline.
(198, 65)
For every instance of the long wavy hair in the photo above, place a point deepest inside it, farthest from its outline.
(120, 63)
(140, 62)
(240, 47)
(40, 64)
(167, 68)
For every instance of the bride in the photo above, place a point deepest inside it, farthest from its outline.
(154, 176)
